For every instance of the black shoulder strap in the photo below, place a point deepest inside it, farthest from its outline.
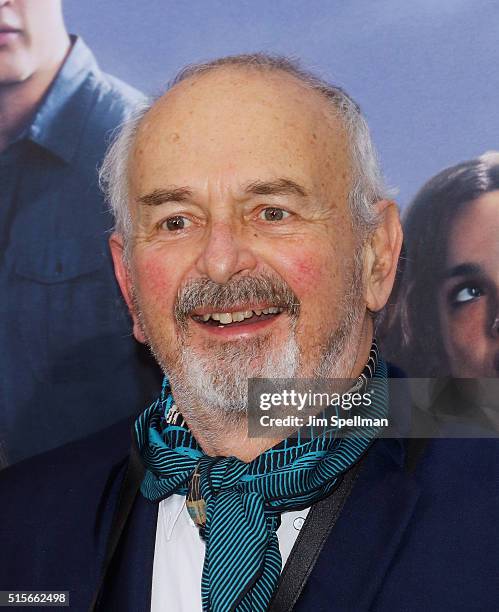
(320, 521)
(317, 527)
(128, 491)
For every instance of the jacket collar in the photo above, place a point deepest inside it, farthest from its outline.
(62, 115)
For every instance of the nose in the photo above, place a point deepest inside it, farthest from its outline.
(225, 254)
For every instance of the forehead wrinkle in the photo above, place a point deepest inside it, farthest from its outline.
(280, 186)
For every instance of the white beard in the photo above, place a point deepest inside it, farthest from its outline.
(214, 384)
(211, 387)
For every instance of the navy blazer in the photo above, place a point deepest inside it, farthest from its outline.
(426, 540)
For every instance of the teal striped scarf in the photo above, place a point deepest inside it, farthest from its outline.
(244, 501)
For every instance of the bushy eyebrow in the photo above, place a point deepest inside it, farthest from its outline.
(281, 186)
(464, 269)
(163, 196)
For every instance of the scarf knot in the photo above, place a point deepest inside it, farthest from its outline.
(220, 474)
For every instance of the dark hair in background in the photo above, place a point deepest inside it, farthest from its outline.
(410, 332)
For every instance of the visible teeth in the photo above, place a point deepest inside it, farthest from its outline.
(236, 317)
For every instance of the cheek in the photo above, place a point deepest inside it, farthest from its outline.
(316, 281)
(464, 330)
(158, 283)
(306, 272)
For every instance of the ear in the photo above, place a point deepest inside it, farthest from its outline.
(122, 273)
(381, 255)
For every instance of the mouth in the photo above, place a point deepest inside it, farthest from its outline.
(244, 318)
(8, 34)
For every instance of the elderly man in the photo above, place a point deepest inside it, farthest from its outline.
(253, 239)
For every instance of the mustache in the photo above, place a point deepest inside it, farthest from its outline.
(205, 293)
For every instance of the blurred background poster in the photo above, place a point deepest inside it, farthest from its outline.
(425, 76)
(424, 72)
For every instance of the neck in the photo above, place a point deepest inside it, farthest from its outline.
(19, 101)
(218, 440)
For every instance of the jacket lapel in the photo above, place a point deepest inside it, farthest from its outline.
(359, 550)
(125, 530)
(129, 581)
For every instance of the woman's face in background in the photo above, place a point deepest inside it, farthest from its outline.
(469, 298)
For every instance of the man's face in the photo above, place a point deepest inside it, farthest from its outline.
(469, 299)
(26, 32)
(242, 255)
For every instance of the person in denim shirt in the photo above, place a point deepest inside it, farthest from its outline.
(68, 365)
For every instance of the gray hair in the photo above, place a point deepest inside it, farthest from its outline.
(367, 188)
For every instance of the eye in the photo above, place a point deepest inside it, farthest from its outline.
(466, 294)
(174, 224)
(273, 214)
